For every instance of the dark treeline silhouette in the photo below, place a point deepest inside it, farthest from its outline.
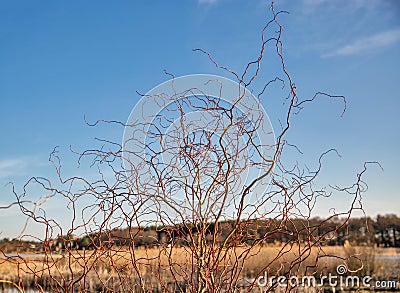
(384, 231)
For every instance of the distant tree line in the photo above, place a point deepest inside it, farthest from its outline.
(16, 245)
(384, 231)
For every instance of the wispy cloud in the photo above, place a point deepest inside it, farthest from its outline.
(313, 2)
(15, 166)
(367, 44)
(341, 5)
(207, 1)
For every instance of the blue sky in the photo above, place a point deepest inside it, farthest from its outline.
(61, 60)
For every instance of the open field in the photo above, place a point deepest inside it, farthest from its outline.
(158, 268)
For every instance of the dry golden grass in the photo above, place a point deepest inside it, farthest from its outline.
(154, 264)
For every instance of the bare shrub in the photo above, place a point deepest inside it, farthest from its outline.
(188, 206)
